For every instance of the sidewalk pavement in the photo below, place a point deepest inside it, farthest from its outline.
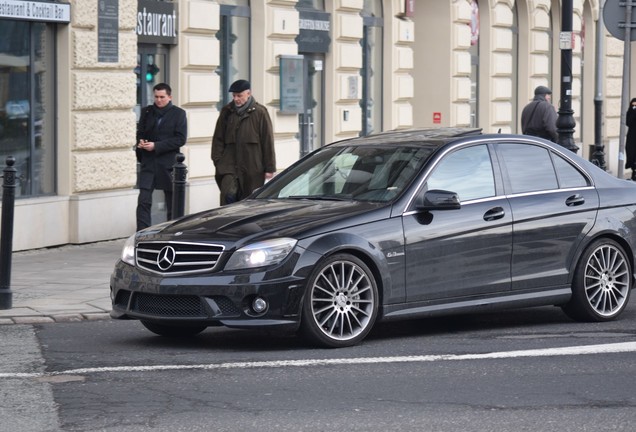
(67, 283)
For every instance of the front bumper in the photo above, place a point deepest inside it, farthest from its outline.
(208, 299)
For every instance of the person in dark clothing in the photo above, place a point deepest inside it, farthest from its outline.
(243, 145)
(539, 117)
(630, 141)
(162, 130)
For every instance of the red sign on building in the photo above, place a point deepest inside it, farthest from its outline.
(409, 8)
(437, 118)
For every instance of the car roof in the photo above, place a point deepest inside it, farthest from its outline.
(433, 135)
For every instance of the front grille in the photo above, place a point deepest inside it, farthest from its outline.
(173, 258)
(177, 306)
(169, 306)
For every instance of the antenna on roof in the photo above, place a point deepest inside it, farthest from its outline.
(499, 131)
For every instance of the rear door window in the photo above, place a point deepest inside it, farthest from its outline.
(529, 168)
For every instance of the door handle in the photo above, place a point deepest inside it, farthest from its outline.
(574, 200)
(494, 214)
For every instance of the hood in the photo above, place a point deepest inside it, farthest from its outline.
(251, 220)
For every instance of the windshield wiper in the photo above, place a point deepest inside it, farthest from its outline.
(322, 197)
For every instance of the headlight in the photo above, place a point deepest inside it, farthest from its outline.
(261, 254)
(128, 253)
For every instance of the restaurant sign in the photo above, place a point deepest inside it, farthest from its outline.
(35, 11)
(156, 22)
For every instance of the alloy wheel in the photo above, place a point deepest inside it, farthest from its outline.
(343, 301)
(606, 280)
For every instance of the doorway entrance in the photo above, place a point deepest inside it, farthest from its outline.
(152, 69)
(311, 120)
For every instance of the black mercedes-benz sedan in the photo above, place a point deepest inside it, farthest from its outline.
(397, 225)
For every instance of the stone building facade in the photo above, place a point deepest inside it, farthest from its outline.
(377, 65)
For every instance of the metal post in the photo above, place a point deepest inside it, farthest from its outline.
(627, 60)
(6, 233)
(565, 122)
(179, 172)
(598, 157)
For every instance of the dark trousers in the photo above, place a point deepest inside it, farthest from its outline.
(144, 206)
(229, 187)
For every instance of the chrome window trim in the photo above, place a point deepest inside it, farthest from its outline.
(548, 191)
(500, 197)
(496, 140)
(465, 203)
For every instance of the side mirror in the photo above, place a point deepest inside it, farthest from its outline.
(438, 200)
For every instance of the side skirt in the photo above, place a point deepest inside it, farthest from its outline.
(557, 296)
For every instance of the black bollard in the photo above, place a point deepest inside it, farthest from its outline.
(6, 233)
(179, 172)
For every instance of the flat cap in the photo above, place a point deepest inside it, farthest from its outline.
(239, 86)
(542, 90)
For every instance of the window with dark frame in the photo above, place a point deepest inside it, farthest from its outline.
(27, 104)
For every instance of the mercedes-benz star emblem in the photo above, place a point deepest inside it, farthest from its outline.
(166, 258)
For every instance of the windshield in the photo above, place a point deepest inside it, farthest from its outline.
(362, 173)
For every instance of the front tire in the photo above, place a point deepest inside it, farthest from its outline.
(341, 302)
(602, 283)
(174, 330)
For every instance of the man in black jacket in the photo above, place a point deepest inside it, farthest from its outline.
(162, 130)
(539, 117)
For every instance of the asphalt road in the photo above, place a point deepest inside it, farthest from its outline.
(529, 370)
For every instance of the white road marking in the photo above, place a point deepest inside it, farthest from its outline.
(547, 352)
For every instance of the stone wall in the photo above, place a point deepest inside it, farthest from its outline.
(102, 95)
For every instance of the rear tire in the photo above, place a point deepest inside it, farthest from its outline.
(341, 302)
(602, 283)
(173, 330)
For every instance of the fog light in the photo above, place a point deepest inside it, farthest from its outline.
(259, 305)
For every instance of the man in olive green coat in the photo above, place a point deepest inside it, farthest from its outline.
(243, 145)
